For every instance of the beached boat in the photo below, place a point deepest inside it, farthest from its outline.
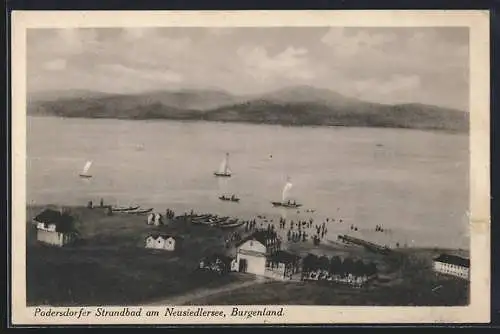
(224, 170)
(85, 171)
(232, 224)
(124, 208)
(138, 212)
(202, 220)
(285, 202)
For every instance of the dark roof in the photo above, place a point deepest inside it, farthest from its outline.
(63, 221)
(260, 236)
(282, 256)
(164, 236)
(453, 259)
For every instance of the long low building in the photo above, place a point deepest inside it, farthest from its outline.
(452, 265)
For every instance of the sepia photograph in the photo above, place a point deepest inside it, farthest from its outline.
(203, 165)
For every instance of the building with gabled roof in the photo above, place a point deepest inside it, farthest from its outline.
(162, 241)
(251, 252)
(55, 227)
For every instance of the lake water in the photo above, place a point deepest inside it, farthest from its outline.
(414, 183)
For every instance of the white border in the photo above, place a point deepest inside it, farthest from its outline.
(478, 23)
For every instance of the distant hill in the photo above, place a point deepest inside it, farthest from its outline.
(300, 105)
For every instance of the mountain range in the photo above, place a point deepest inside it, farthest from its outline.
(298, 105)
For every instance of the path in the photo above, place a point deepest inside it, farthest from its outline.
(203, 293)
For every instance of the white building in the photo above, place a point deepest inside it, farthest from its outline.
(251, 257)
(452, 265)
(162, 241)
(252, 252)
(55, 228)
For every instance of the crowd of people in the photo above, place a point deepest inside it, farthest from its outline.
(170, 214)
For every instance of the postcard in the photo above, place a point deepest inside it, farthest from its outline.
(226, 167)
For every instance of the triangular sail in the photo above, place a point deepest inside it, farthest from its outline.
(286, 190)
(224, 166)
(86, 167)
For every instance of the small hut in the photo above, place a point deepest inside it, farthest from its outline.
(163, 242)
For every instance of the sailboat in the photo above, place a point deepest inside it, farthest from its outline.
(284, 202)
(85, 171)
(224, 170)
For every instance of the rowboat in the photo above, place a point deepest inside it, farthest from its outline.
(138, 212)
(285, 202)
(124, 208)
(234, 223)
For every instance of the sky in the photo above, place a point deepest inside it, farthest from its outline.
(386, 65)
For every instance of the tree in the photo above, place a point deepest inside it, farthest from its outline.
(348, 266)
(323, 263)
(371, 269)
(359, 268)
(335, 265)
(309, 262)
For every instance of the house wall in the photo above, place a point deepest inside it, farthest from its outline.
(451, 269)
(54, 238)
(49, 227)
(169, 244)
(255, 264)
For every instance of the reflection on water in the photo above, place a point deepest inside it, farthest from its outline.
(414, 183)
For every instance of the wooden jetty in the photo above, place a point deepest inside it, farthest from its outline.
(367, 244)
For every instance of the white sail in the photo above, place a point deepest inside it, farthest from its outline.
(86, 167)
(286, 190)
(224, 166)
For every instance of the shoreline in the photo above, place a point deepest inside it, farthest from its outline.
(326, 243)
(242, 122)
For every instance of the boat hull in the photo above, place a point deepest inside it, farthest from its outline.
(232, 225)
(286, 205)
(222, 174)
(236, 200)
(130, 208)
(138, 212)
(84, 176)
